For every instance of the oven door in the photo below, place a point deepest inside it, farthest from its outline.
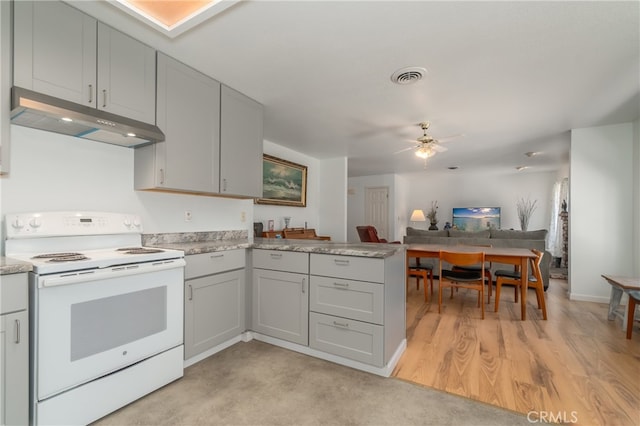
(85, 330)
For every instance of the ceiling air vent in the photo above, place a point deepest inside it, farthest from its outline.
(408, 75)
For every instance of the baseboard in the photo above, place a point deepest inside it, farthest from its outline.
(588, 298)
(380, 371)
(206, 354)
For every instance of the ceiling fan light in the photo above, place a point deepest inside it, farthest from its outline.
(424, 152)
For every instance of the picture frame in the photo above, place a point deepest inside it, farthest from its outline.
(284, 183)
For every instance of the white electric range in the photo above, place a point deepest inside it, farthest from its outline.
(106, 314)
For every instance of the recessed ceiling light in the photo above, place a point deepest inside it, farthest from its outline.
(521, 168)
(452, 167)
(408, 75)
(173, 17)
(531, 153)
(67, 119)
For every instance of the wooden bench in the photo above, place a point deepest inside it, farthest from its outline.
(620, 285)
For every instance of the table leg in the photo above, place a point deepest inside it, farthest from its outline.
(524, 286)
(614, 302)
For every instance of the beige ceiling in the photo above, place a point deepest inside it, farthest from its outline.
(509, 76)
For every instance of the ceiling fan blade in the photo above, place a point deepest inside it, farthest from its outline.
(451, 137)
(404, 150)
(439, 148)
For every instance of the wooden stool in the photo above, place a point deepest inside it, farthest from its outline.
(634, 298)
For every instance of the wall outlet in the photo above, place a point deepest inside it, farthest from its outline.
(243, 217)
(188, 216)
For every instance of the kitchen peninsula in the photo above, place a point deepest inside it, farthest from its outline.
(342, 302)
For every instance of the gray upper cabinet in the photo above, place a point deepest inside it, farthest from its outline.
(213, 137)
(62, 52)
(240, 144)
(188, 113)
(5, 83)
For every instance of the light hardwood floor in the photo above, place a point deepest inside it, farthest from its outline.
(576, 367)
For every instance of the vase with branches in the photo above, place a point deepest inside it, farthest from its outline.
(525, 207)
(432, 215)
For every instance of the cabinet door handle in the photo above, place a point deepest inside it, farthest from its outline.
(91, 93)
(304, 281)
(190, 292)
(341, 285)
(104, 98)
(341, 324)
(341, 262)
(161, 176)
(17, 331)
(224, 185)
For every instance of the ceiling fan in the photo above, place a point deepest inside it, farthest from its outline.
(427, 145)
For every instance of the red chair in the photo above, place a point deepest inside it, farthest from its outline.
(368, 234)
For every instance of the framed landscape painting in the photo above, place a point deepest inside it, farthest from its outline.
(283, 183)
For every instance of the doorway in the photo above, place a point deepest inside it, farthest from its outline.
(376, 209)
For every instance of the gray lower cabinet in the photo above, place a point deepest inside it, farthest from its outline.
(14, 350)
(214, 300)
(281, 295)
(357, 306)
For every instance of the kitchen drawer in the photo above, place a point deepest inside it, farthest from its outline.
(279, 260)
(351, 339)
(350, 267)
(347, 298)
(202, 264)
(14, 293)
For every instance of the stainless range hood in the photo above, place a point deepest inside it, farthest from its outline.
(38, 111)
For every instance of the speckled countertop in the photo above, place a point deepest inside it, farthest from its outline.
(13, 266)
(207, 242)
(328, 247)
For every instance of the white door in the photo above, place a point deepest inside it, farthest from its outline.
(376, 209)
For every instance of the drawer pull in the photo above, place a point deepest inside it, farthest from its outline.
(17, 331)
(276, 255)
(216, 256)
(341, 285)
(341, 262)
(340, 324)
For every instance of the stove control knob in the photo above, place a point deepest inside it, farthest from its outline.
(127, 222)
(136, 222)
(18, 223)
(35, 222)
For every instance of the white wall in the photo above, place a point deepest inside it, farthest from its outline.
(452, 189)
(326, 199)
(332, 200)
(636, 198)
(602, 213)
(56, 172)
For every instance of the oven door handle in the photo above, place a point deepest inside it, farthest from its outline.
(75, 277)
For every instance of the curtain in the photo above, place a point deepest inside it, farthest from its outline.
(560, 194)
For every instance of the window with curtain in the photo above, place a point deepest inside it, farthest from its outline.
(554, 240)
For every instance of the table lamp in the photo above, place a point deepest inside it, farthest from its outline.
(418, 216)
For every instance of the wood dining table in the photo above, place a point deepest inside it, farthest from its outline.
(509, 255)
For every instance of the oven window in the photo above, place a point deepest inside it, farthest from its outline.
(103, 324)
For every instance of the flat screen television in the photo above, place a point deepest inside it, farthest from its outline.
(476, 218)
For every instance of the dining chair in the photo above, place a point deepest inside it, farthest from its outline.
(512, 277)
(477, 268)
(420, 270)
(456, 278)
